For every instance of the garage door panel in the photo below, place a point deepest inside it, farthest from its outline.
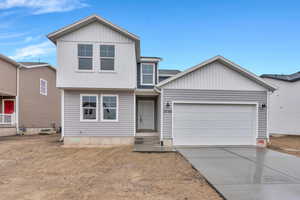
(216, 123)
(213, 141)
(211, 124)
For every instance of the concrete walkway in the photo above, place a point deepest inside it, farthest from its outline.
(247, 173)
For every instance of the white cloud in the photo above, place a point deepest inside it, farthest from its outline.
(28, 39)
(32, 39)
(43, 6)
(34, 51)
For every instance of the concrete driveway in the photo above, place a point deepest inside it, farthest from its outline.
(247, 173)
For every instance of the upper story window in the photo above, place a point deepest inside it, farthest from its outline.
(88, 107)
(85, 57)
(43, 87)
(147, 73)
(107, 58)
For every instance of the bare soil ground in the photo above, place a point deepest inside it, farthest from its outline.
(287, 144)
(38, 168)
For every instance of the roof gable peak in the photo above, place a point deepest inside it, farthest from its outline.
(228, 64)
(86, 21)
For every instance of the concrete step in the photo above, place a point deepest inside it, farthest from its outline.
(143, 134)
(147, 140)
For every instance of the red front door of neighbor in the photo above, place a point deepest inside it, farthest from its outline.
(9, 106)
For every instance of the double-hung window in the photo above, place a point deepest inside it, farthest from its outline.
(85, 57)
(107, 58)
(109, 108)
(43, 87)
(89, 107)
(147, 73)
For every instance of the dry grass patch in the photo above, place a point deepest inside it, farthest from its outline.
(37, 167)
(287, 144)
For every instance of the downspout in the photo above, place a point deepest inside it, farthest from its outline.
(161, 114)
(268, 115)
(62, 115)
(17, 99)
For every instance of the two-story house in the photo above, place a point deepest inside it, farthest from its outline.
(111, 94)
(29, 99)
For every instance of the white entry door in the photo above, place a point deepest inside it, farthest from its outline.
(146, 115)
(214, 124)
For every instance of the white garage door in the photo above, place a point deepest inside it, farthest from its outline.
(214, 124)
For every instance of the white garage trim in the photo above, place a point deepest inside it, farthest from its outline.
(216, 103)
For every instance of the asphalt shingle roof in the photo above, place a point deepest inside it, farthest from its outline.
(168, 71)
(290, 78)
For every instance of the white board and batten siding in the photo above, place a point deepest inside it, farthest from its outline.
(284, 112)
(215, 76)
(223, 89)
(125, 126)
(96, 34)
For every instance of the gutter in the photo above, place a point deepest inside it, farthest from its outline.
(157, 90)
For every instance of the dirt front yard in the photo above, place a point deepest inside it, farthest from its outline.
(287, 144)
(38, 168)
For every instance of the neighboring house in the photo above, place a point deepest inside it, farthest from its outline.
(29, 99)
(284, 104)
(111, 94)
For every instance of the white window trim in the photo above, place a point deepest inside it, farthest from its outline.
(46, 87)
(81, 108)
(108, 71)
(78, 57)
(117, 108)
(153, 75)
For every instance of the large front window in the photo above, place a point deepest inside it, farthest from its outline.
(109, 107)
(107, 58)
(85, 57)
(147, 73)
(89, 107)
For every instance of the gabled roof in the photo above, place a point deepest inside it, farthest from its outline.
(27, 65)
(227, 63)
(168, 72)
(88, 20)
(9, 60)
(290, 78)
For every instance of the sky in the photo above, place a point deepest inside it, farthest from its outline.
(262, 36)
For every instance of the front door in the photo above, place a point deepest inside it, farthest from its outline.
(146, 115)
(9, 106)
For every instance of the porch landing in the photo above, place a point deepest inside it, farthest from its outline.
(146, 142)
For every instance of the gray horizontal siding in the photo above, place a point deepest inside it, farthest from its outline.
(73, 126)
(170, 95)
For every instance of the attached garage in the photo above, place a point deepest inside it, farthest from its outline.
(214, 124)
(215, 103)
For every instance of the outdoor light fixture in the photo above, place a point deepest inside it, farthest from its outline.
(263, 105)
(168, 104)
